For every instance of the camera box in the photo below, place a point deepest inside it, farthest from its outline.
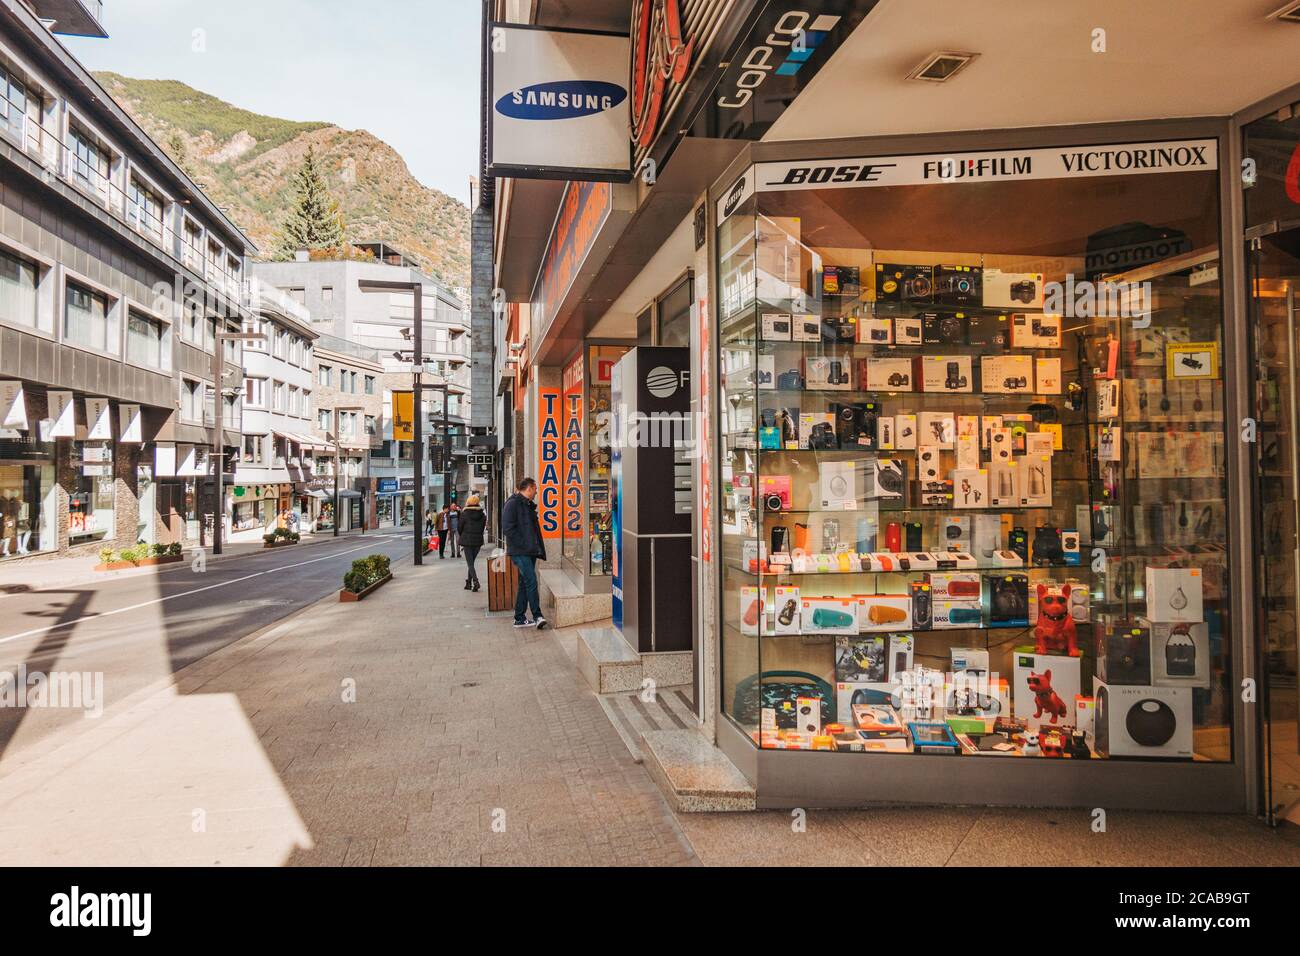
(908, 331)
(901, 650)
(970, 488)
(812, 436)
(1124, 653)
(1007, 374)
(884, 612)
(1044, 687)
(905, 432)
(876, 331)
(1180, 655)
(904, 283)
(805, 328)
(1035, 481)
(944, 328)
(861, 659)
(766, 371)
(990, 330)
(888, 374)
(1011, 290)
(775, 326)
(829, 372)
(1034, 331)
(946, 373)
(1133, 721)
(829, 616)
(954, 614)
(958, 285)
(787, 609)
(1175, 595)
(1047, 373)
(937, 430)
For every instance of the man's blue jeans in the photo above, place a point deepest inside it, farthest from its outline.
(527, 597)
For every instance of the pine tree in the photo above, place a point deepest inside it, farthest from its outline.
(315, 221)
(179, 154)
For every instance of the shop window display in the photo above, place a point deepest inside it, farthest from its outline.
(90, 500)
(974, 466)
(600, 548)
(24, 510)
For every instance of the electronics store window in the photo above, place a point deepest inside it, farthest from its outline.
(974, 465)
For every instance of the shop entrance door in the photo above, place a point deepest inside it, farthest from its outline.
(171, 502)
(1273, 263)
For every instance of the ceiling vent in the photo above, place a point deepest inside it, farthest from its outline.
(1289, 13)
(944, 65)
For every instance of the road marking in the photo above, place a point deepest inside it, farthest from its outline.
(171, 597)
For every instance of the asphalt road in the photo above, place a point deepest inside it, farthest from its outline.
(139, 629)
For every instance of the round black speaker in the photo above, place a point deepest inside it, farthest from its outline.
(1151, 722)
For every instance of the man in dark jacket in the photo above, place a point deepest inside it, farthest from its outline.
(473, 524)
(524, 544)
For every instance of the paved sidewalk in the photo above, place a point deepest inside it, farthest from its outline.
(39, 574)
(408, 729)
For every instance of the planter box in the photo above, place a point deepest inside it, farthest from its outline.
(144, 563)
(277, 544)
(350, 597)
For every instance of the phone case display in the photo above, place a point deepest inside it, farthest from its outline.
(932, 476)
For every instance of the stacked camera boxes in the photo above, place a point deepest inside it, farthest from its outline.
(1141, 709)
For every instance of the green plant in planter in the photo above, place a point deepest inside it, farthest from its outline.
(158, 550)
(174, 549)
(367, 571)
(134, 555)
(106, 555)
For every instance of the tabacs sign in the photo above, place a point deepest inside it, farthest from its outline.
(559, 104)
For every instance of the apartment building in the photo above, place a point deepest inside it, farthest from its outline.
(331, 291)
(272, 485)
(117, 278)
(348, 424)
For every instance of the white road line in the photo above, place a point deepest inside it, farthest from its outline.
(171, 597)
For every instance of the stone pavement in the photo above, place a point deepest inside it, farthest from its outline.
(408, 729)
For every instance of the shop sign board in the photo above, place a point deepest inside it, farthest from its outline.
(559, 104)
(164, 460)
(550, 504)
(99, 426)
(63, 415)
(387, 486)
(1058, 162)
(585, 209)
(132, 424)
(13, 406)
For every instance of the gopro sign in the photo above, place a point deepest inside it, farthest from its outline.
(559, 104)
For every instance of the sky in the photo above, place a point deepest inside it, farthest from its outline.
(406, 71)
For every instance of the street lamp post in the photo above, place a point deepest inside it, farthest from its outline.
(218, 436)
(417, 296)
(330, 438)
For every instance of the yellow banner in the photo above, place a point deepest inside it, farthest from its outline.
(403, 416)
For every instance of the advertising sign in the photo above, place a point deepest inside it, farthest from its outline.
(99, 425)
(63, 415)
(573, 485)
(13, 406)
(403, 416)
(132, 424)
(559, 104)
(550, 503)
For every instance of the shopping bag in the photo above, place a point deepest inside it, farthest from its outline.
(433, 543)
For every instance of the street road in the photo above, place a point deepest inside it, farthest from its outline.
(139, 629)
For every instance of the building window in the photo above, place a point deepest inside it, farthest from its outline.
(88, 161)
(192, 396)
(277, 396)
(298, 295)
(87, 320)
(90, 501)
(372, 425)
(13, 101)
(28, 511)
(145, 209)
(147, 341)
(324, 419)
(193, 251)
(253, 445)
(370, 385)
(327, 293)
(18, 279)
(294, 408)
(347, 425)
(255, 392)
(326, 376)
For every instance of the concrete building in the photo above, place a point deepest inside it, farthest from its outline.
(117, 276)
(348, 424)
(330, 289)
(271, 485)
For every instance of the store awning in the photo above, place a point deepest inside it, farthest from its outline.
(302, 441)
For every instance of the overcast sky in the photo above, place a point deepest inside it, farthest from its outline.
(405, 71)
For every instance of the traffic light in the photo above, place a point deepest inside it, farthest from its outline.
(453, 494)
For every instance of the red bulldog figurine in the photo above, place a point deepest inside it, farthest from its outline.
(1055, 632)
(1046, 700)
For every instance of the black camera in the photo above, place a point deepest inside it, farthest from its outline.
(823, 437)
(899, 380)
(943, 328)
(772, 502)
(1018, 381)
(837, 330)
(955, 379)
(879, 335)
(904, 283)
(958, 285)
(1023, 291)
(790, 381)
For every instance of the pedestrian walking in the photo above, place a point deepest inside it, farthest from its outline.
(473, 527)
(524, 544)
(442, 524)
(453, 528)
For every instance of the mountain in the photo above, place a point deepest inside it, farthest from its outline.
(244, 162)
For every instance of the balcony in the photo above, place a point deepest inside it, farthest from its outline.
(78, 18)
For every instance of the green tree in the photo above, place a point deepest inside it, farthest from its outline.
(179, 153)
(314, 221)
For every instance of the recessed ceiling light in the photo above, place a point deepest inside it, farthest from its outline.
(1290, 13)
(943, 65)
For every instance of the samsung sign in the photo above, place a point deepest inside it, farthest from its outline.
(559, 104)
